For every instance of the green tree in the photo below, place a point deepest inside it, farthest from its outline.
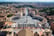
(9, 15)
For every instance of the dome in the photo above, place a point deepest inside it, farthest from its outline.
(25, 32)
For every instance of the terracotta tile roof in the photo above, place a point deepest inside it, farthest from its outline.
(9, 23)
(8, 29)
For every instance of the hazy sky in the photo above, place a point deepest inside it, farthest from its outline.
(26, 0)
